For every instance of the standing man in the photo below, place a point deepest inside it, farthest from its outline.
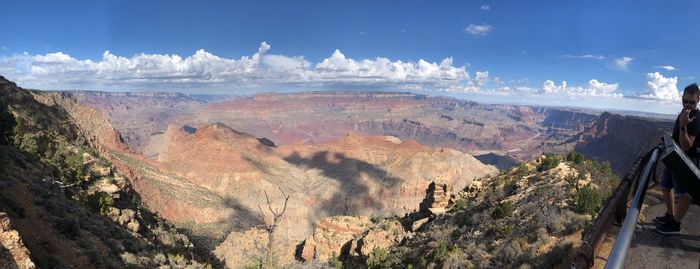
(686, 129)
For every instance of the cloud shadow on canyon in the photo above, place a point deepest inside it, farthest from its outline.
(353, 194)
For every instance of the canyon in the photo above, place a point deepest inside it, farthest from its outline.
(212, 166)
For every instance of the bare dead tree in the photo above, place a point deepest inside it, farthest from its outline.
(270, 228)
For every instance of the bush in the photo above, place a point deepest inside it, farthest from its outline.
(555, 256)
(575, 157)
(510, 186)
(379, 258)
(100, 202)
(460, 205)
(521, 170)
(76, 168)
(439, 252)
(500, 232)
(587, 200)
(68, 227)
(7, 125)
(549, 162)
(504, 209)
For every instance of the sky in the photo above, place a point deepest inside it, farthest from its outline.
(624, 55)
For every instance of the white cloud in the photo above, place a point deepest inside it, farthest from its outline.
(586, 56)
(478, 29)
(549, 87)
(284, 63)
(481, 78)
(597, 88)
(594, 88)
(485, 7)
(623, 62)
(474, 85)
(667, 67)
(203, 69)
(661, 88)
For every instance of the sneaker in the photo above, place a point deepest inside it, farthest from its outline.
(663, 219)
(671, 227)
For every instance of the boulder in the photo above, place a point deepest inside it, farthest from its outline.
(133, 226)
(419, 223)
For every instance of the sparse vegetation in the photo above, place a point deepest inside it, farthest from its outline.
(550, 161)
(575, 158)
(100, 202)
(7, 125)
(587, 200)
(379, 259)
(550, 210)
(504, 209)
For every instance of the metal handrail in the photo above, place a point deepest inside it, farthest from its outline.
(618, 255)
(616, 207)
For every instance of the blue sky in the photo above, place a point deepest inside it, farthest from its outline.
(621, 54)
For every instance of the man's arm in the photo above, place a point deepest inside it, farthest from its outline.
(688, 128)
(685, 139)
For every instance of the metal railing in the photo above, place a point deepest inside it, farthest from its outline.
(615, 208)
(618, 255)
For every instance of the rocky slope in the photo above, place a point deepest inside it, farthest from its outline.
(353, 175)
(532, 216)
(215, 197)
(613, 136)
(71, 208)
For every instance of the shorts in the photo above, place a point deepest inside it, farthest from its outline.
(668, 181)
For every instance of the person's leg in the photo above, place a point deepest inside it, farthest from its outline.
(683, 204)
(673, 226)
(669, 200)
(666, 186)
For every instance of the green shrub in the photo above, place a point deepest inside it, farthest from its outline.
(379, 259)
(587, 200)
(334, 261)
(7, 125)
(549, 162)
(521, 170)
(76, 168)
(500, 232)
(460, 205)
(100, 202)
(510, 186)
(575, 157)
(504, 209)
(28, 143)
(440, 252)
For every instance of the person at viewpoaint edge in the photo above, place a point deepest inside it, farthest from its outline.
(686, 129)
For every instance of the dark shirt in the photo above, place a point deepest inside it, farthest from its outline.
(693, 129)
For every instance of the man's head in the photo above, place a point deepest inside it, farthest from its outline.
(691, 96)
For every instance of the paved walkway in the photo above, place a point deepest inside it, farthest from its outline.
(650, 249)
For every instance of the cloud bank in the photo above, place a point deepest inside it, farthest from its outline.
(262, 70)
(203, 69)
